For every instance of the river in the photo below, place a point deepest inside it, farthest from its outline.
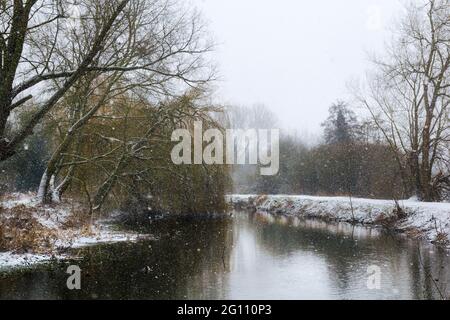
(245, 256)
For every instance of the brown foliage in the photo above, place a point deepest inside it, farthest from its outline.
(21, 232)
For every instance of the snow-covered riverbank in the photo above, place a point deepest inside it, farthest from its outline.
(33, 233)
(418, 219)
(102, 235)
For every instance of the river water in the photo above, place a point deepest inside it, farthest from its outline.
(245, 256)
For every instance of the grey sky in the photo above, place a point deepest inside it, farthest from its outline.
(295, 56)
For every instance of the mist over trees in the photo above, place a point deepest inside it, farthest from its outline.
(401, 147)
(349, 161)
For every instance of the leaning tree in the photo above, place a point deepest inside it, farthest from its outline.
(47, 46)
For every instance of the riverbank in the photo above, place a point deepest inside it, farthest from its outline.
(430, 221)
(32, 233)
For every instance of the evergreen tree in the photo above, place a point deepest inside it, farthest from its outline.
(341, 127)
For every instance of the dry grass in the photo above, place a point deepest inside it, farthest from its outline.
(441, 239)
(414, 233)
(78, 219)
(391, 221)
(21, 232)
(261, 199)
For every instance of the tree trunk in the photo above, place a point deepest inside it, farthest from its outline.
(425, 168)
(108, 185)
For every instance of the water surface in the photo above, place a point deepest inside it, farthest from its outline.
(247, 256)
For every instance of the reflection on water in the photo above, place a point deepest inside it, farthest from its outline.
(249, 256)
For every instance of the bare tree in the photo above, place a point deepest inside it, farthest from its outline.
(46, 46)
(408, 97)
(19, 21)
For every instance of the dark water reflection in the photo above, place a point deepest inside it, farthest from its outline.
(249, 256)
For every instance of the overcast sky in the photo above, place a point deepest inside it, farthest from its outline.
(295, 56)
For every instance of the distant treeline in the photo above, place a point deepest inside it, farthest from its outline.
(402, 148)
(351, 160)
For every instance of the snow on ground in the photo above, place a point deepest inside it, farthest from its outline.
(48, 216)
(53, 218)
(432, 220)
(102, 234)
(17, 199)
(9, 260)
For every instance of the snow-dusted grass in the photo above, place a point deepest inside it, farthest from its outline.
(101, 234)
(49, 216)
(429, 220)
(59, 227)
(10, 260)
